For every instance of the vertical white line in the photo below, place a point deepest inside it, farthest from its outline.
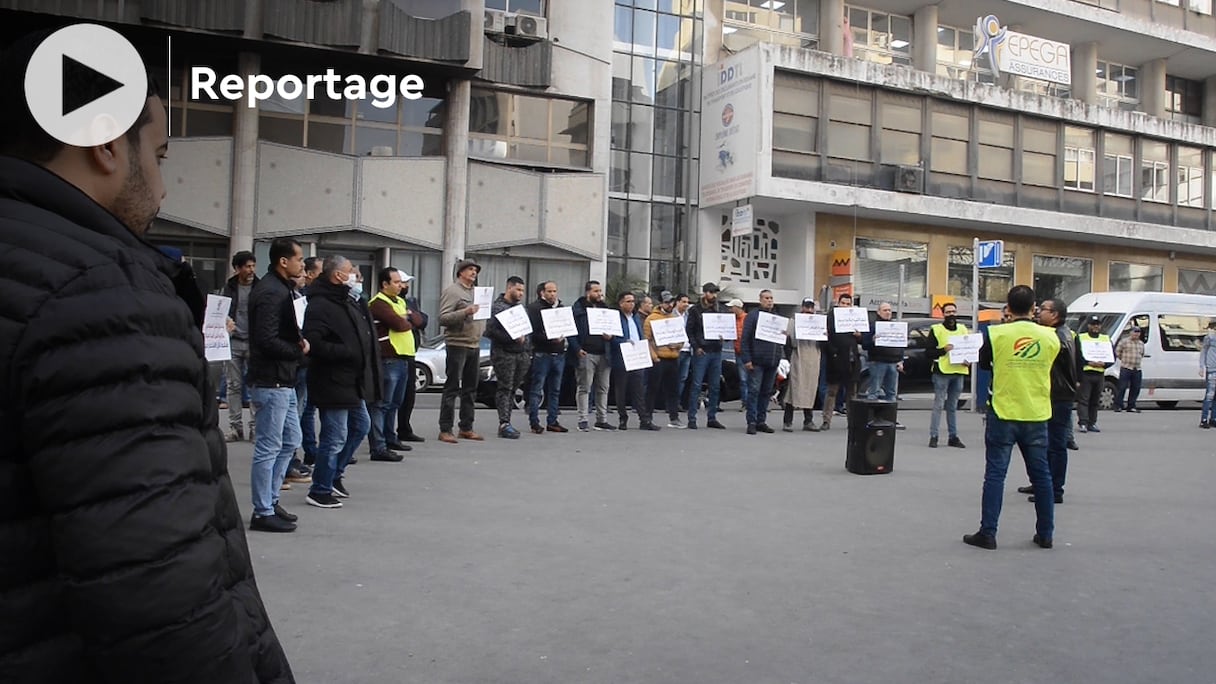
(169, 85)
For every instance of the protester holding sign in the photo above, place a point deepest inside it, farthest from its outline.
(804, 374)
(886, 359)
(707, 355)
(1094, 355)
(508, 354)
(589, 351)
(548, 361)
(843, 358)
(626, 380)
(665, 352)
(947, 374)
(761, 357)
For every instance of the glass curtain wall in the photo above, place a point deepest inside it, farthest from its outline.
(656, 100)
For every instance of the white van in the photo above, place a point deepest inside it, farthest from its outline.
(1173, 326)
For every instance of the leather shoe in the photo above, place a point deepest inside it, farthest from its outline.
(398, 446)
(1044, 543)
(387, 456)
(469, 434)
(413, 438)
(763, 427)
(984, 541)
(448, 438)
(1072, 445)
(538, 430)
(715, 425)
(556, 427)
(1059, 498)
(1028, 489)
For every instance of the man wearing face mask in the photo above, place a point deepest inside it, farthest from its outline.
(947, 376)
(344, 376)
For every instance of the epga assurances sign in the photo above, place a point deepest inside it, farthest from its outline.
(1010, 52)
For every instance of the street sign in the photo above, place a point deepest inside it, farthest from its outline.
(990, 253)
(741, 221)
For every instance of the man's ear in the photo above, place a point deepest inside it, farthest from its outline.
(105, 158)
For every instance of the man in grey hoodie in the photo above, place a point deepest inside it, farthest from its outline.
(463, 337)
(1207, 370)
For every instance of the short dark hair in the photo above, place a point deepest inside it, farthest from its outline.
(312, 263)
(845, 295)
(386, 275)
(1020, 300)
(281, 248)
(949, 304)
(626, 293)
(515, 280)
(20, 134)
(1058, 306)
(590, 284)
(243, 257)
(540, 288)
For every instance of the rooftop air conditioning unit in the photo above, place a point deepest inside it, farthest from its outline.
(910, 179)
(528, 25)
(496, 21)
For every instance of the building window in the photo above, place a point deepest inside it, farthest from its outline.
(951, 128)
(534, 130)
(1118, 166)
(878, 267)
(1064, 277)
(1039, 152)
(196, 118)
(900, 117)
(1118, 86)
(1190, 177)
(1104, 4)
(995, 145)
(878, 36)
(994, 282)
(781, 22)
(1182, 333)
(1125, 277)
(850, 115)
(1194, 281)
(1042, 88)
(795, 112)
(1183, 99)
(1079, 159)
(534, 7)
(1200, 6)
(955, 48)
(1155, 178)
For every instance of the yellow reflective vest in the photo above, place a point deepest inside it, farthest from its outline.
(1022, 355)
(943, 334)
(1084, 337)
(403, 342)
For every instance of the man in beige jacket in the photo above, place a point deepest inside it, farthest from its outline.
(463, 338)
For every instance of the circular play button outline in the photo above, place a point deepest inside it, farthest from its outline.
(86, 121)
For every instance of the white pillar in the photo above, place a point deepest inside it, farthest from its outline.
(456, 181)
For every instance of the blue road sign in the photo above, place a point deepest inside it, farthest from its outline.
(991, 253)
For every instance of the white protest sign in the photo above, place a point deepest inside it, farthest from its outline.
(890, 334)
(215, 328)
(558, 322)
(719, 326)
(1097, 352)
(601, 321)
(515, 321)
(483, 297)
(966, 348)
(636, 355)
(851, 319)
(810, 327)
(301, 305)
(771, 328)
(668, 331)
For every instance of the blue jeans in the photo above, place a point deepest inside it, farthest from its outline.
(745, 383)
(946, 389)
(1205, 414)
(685, 365)
(760, 393)
(278, 436)
(706, 366)
(883, 376)
(1128, 377)
(384, 412)
(1059, 429)
(308, 416)
(341, 432)
(547, 371)
(1031, 438)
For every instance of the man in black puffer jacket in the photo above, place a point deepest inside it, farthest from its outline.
(124, 557)
(343, 376)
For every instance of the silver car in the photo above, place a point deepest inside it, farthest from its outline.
(430, 363)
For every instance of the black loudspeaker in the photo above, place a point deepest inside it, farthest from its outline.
(871, 449)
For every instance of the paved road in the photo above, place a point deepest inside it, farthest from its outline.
(705, 557)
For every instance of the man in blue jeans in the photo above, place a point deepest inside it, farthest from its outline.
(1063, 395)
(1207, 370)
(548, 362)
(1020, 354)
(886, 362)
(344, 375)
(761, 357)
(275, 352)
(706, 358)
(395, 325)
(947, 376)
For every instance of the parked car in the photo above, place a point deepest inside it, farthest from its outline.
(917, 375)
(430, 363)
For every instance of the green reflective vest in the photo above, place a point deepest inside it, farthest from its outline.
(1022, 355)
(943, 334)
(403, 342)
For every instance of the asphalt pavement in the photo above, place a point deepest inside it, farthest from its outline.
(713, 556)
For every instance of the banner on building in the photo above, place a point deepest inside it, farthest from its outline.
(730, 129)
(1010, 52)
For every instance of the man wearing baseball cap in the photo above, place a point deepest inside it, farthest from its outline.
(1092, 374)
(1130, 352)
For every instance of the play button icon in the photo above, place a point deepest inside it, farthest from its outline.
(86, 85)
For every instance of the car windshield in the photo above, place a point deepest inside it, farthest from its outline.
(1078, 321)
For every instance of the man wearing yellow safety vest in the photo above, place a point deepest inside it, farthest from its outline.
(1020, 355)
(1093, 373)
(947, 376)
(395, 331)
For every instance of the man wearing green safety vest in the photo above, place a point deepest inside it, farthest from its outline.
(1020, 355)
(395, 325)
(1093, 374)
(947, 376)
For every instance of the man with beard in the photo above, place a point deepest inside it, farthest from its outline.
(124, 556)
(663, 385)
(761, 358)
(548, 362)
(706, 359)
(804, 375)
(405, 431)
(947, 377)
(463, 334)
(508, 355)
(590, 352)
(236, 369)
(395, 333)
(843, 363)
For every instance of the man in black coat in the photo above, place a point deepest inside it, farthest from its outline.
(405, 431)
(239, 290)
(124, 555)
(761, 358)
(275, 352)
(343, 376)
(548, 362)
(843, 362)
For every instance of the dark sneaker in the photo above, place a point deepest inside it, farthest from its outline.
(556, 427)
(932, 442)
(340, 489)
(583, 426)
(713, 423)
(281, 512)
(763, 427)
(508, 432)
(984, 541)
(1094, 428)
(310, 459)
(537, 429)
(751, 428)
(1072, 445)
(675, 424)
(624, 425)
(692, 425)
(1205, 424)
(1044, 543)
(294, 475)
(271, 523)
(1058, 497)
(387, 456)
(603, 425)
(413, 438)
(1028, 489)
(398, 446)
(825, 427)
(957, 443)
(323, 501)
(1082, 428)
(649, 426)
